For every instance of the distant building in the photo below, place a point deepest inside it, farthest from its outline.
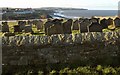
(24, 11)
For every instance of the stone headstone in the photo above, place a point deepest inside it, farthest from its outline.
(75, 25)
(95, 27)
(29, 22)
(104, 23)
(110, 21)
(47, 25)
(67, 26)
(39, 25)
(51, 30)
(17, 29)
(56, 28)
(5, 27)
(81, 19)
(35, 22)
(117, 22)
(28, 28)
(94, 20)
(22, 24)
(84, 26)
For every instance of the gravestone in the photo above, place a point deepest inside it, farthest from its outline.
(47, 26)
(28, 28)
(56, 28)
(22, 24)
(84, 25)
(117, 22)
(58, 25)
(110, 21)
(29, 22)
(5, 27)
(39, 25)
(35, 22)
(75, 25)
(67, 26)
(94, 20)
(104, 23)
(81, 20)
(51, 30)
(17, 28)
(95, 27)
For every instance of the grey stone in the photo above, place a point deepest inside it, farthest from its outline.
(67, 26)
(77, 38)
(84, 26)
(95, 27)
(47, 25)
(55, 40)
(17, 28)
(28, 28)
(94, 20)
(75, 25)
(110, 21)
(98, 36)
(22, 24)
(29, 22)
(104, 23)
(23, 60)
(117, 22)
(37, 40)
(39, 25)
(45, 40)
(5, 27)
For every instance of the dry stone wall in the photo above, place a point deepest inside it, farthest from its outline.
(85, 48)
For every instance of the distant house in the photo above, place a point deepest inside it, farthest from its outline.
(24, 11)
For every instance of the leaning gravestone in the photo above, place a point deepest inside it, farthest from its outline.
(95, 27)
(104, 23)
(17, 28)
(117, 22)
(67, 26)
(28, 28)
(84, 26)
(5, 27)
(75, 25)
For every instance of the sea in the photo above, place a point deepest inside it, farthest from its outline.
(87, 13)
(84, 13)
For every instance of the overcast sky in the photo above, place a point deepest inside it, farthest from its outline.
(88, 4)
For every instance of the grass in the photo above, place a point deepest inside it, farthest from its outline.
(11, 25)
(80, 70)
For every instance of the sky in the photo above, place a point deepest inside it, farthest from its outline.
(87, 4)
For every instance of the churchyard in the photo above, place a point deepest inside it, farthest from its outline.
(59, 26)
(50, 45)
